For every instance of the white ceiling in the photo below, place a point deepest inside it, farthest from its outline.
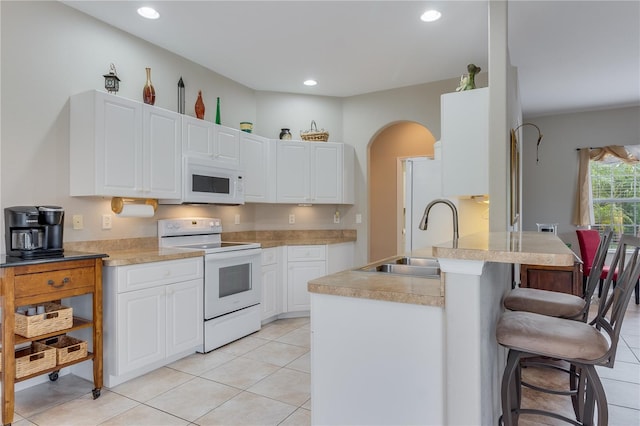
(571, 55)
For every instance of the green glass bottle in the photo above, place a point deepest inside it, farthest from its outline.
(218, 112)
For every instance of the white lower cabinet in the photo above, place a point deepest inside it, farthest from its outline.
(153, 315)
(287, 270)
(304, 263)
(271, 283)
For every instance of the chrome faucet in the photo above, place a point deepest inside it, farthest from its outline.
(454, 210)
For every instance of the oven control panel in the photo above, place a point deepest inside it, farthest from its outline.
(189, 226)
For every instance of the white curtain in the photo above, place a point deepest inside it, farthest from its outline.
(583, 213)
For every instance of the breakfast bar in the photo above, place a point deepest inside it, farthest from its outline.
(401, 349)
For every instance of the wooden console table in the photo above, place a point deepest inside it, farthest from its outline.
(35, 282)
(564, 279)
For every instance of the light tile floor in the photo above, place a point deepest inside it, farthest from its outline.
(264, 379)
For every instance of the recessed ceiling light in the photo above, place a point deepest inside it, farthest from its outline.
(310, 82)
(148, 12)
(430, 16)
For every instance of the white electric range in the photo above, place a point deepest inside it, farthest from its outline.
(232, 274)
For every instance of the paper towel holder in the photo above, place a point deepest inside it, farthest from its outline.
(117, 203)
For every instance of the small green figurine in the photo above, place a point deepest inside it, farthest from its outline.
(468, 82)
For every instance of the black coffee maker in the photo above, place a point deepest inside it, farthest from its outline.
(33, 232)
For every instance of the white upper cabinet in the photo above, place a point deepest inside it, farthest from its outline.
(258, 164)
(120, 147)
(314, 172)
(161, 147)
(465, 142)
(204, 139)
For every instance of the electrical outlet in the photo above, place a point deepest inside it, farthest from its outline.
(358, 218)
(336, 217)
(236, 220)
(78, 222)
(292, 219)
(106, 221)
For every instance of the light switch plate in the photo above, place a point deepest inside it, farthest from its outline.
(236, 219)
(358, 218)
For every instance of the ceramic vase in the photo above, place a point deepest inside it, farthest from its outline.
(218, 112)
(148, 92)
(285, 134)
(199, 106)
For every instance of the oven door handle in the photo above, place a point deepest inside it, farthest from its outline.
(233, 254)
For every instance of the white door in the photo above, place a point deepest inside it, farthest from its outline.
(185, 316)
(118, 146)
(299, 274)
(162, 153)
(141, 328)
(326, 172)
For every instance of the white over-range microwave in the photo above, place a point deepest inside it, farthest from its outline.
(205, 183)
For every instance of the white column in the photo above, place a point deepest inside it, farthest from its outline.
(474, 360)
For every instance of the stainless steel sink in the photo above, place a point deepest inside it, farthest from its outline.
(413, 266)
(418, 261)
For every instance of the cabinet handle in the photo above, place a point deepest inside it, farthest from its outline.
(65, 281)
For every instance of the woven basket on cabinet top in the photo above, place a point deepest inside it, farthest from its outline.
(313, 135)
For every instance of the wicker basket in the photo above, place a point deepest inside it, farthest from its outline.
(55, 318)
(68, 348)
(313, 135)
(33, 359)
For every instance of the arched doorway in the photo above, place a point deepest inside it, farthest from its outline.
(386, 149)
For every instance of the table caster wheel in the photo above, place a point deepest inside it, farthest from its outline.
(53, 376)
(96, 393)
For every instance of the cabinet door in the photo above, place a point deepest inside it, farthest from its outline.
(226, 149)
(141, 328)
(197, 137)
(293, 172)
(270, 293)
(326, 173)
(118, 132)
(258, 162)
(299, 274)
(162, 153)
(184, 316)
(465, 142)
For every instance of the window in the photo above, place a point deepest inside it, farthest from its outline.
(616, 196)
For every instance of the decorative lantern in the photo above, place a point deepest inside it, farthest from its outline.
(111, 80)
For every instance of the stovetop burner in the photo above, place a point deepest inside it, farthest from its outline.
(197, 234)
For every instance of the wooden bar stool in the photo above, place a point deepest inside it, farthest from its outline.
(582, 345)
(562, 305)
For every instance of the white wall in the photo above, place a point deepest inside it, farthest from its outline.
(295, 112)
(549, 186)
(49, 52)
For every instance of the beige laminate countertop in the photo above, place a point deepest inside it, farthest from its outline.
(380, 286)
(131, 251)
(268, 239)
(536, 248)
(533, 248)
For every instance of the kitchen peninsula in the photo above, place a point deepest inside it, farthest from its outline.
(391, 349)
